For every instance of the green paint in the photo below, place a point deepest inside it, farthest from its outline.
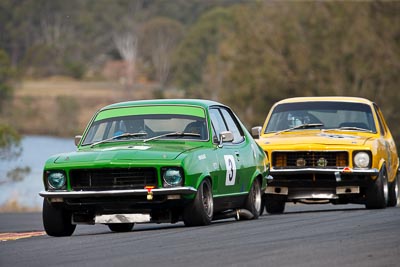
(148, 110)
(230, 168)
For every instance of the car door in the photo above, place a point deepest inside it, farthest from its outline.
(234, 157)
(389, 144)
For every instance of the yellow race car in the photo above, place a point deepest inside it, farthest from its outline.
(328, 149)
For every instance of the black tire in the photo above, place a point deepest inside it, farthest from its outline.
(377, 192)
(56, 220)
(275, 204)
(200, 210)
(121, 227)
(262, 204)
(254, 202)
(394, 196)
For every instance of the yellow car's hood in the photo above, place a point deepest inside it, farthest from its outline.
(313, 138)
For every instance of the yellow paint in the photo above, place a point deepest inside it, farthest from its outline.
(15, 236)
(381, 143)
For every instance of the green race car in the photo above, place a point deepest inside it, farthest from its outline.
(155, 161)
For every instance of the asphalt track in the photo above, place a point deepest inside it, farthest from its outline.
(306, 235)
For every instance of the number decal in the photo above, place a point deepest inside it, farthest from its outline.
(230, 170)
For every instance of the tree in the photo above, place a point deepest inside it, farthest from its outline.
(10, 147)
(6, 74)
(282, 50)
(126, 37)
(9, 143)
(259, 74)
(126, 44)
(201, 42)
(160, 37)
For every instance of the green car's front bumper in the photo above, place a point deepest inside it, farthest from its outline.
(183, 190)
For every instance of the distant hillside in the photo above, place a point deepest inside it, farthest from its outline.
(62, 106)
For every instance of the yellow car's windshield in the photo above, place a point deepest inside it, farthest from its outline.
(321, 115)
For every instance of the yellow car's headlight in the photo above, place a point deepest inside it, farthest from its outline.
(361, 160)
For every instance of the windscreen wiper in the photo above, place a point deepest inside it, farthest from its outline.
(117, 137)
(349, 128)
(171, 134)
(301, 126)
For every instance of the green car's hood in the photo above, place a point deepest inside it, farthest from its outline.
(125, 153)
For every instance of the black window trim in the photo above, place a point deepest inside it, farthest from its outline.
(235, 121)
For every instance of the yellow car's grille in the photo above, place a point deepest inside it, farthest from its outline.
(305, 159)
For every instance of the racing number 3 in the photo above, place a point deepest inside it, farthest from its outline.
(230, 170)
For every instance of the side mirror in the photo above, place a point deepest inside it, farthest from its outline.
(77, 139)
(225, 136)
(256, 132)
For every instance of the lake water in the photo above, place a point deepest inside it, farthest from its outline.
(36, 150)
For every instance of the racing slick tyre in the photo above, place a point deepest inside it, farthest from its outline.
(377, 192)
(121, 227)
(275, 204)
(56, 220)
(200, 210)
(394, 197)
(253, 202)
(262, 204)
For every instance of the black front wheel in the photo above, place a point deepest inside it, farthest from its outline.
(394, 196)
(377, 192)
(275, 204)
(57, 221)
(262, 204)
(200, 210)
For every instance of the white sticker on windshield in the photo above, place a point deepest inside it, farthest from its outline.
(141, 147)
(230, 170)
(126, 147)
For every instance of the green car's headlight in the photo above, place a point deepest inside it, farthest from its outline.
(172, 177)
(361, 160)
(56, 179)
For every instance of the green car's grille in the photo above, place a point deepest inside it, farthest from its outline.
(303, 159)
(112, 179)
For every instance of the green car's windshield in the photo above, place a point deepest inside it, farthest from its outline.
(321, 115)
(147, 123)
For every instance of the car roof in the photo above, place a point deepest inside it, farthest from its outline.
(327, 99)
(191, 102)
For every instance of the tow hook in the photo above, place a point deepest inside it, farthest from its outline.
(149, 192)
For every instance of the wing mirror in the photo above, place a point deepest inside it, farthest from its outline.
(77, 139)
(256, 132)
(224, 137)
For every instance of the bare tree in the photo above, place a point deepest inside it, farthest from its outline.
(126, 38)
(160, 38)
(126, 44)
(160, 57)
(54, 32)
